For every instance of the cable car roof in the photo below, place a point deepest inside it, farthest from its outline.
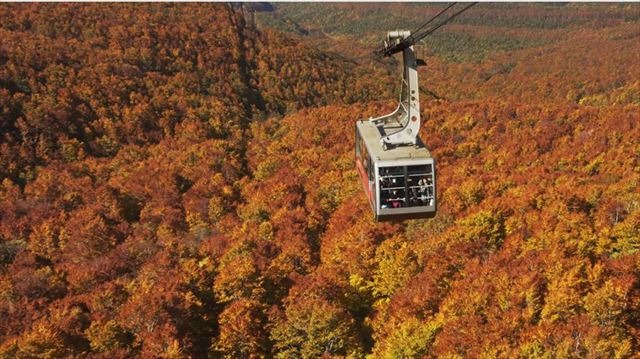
(371, 135)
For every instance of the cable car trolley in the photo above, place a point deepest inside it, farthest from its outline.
(397, 171)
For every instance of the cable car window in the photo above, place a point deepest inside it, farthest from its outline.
(366, 160)
(392, 187)
(420, 185)
(392, 171)
(406, 186)
(419, 169)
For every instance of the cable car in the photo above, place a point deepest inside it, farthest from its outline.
(397, 171)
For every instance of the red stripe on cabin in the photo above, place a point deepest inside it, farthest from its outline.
(365, 180)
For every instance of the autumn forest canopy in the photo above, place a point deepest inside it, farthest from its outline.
(177, 180)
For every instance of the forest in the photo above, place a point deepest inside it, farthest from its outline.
(177, 180)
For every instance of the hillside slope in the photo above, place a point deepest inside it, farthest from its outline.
(534, 251)
(124, 132)
(571, 53)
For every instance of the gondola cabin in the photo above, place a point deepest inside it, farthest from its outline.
(400, 182)
(397, 171)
